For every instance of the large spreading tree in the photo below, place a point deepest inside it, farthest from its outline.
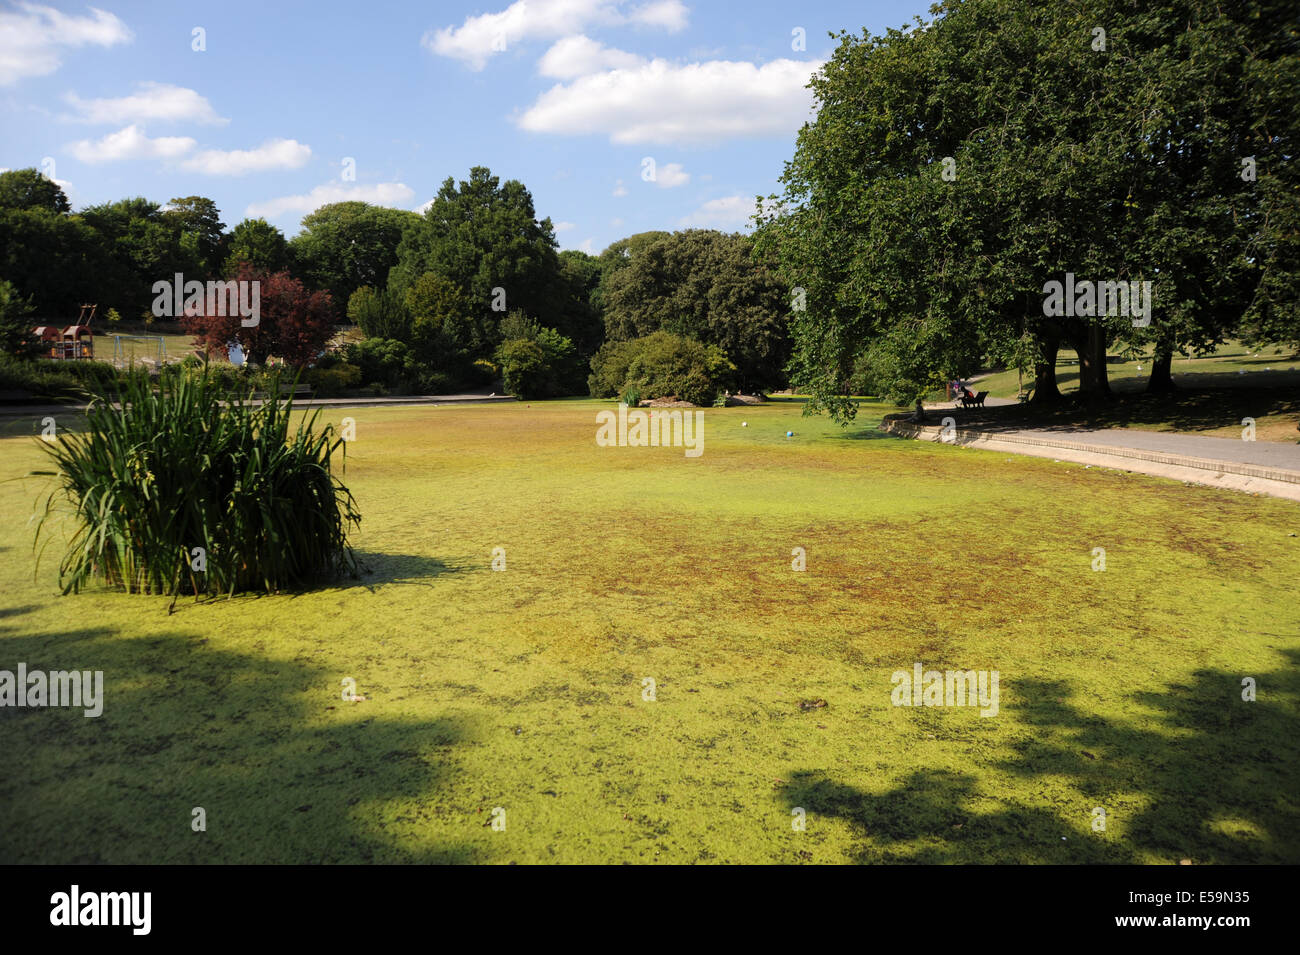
(956, 167)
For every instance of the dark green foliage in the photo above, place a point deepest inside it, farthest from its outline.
(258, 243)
(705, 285)
(954, 169)
(380, 313)
(578, 316)
(163, 469)
(386, 362)
(58, 262)
(15, 324)
(48, 378)
(141, 244)
(198, 222)
(478, 236)
(609, 368)
(334, 380)
(346, 245)
(30, 189)
(662, 365)
(536, 362)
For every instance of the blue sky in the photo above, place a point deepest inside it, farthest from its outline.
(569, 96)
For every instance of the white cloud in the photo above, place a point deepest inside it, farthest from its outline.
(587, 245)
(33, 38)
(671, 175)
(730, 213)
(669, 15)
(578, 56)
(619, 189)
(272, 154)
(130, 143)
(668, 104)
(424, 207)
(564, 227)
(479, 38)
(616, 221)
(394, 194)
(160, 101)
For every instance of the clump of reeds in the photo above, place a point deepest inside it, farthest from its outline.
(183, 485)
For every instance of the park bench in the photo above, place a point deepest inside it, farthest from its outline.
(974, 402)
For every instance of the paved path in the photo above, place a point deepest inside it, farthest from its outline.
(1268, 454)
(1265, 467)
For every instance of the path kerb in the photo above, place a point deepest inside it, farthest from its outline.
(1234, 475)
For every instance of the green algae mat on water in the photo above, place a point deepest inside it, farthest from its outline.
(647, 677)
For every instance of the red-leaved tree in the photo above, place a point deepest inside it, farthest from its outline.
(294, 323)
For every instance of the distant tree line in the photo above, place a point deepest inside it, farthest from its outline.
(473, 290)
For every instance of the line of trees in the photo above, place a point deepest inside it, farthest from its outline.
(473, 290)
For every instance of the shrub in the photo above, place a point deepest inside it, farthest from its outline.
(523, 365)
(660, 365)
(436, 383)
(229, 377)
(15, 326)
(540, 367)
(48, 378)
(30, 376)
(631, 397)
(609, 367)
(380, 313)
(190, 464)
(383, 361)
(333, 380)
(90, 375)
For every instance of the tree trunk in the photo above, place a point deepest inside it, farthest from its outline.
(1162, 379)
(1045, 389)
(1091, 349)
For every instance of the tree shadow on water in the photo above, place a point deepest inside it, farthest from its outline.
(285, 770)
(378, 568)
(1200, 775)
(929, 819)
(1217, 776)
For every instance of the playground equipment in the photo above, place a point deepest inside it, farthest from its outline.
(149, 349)
(75, 341)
